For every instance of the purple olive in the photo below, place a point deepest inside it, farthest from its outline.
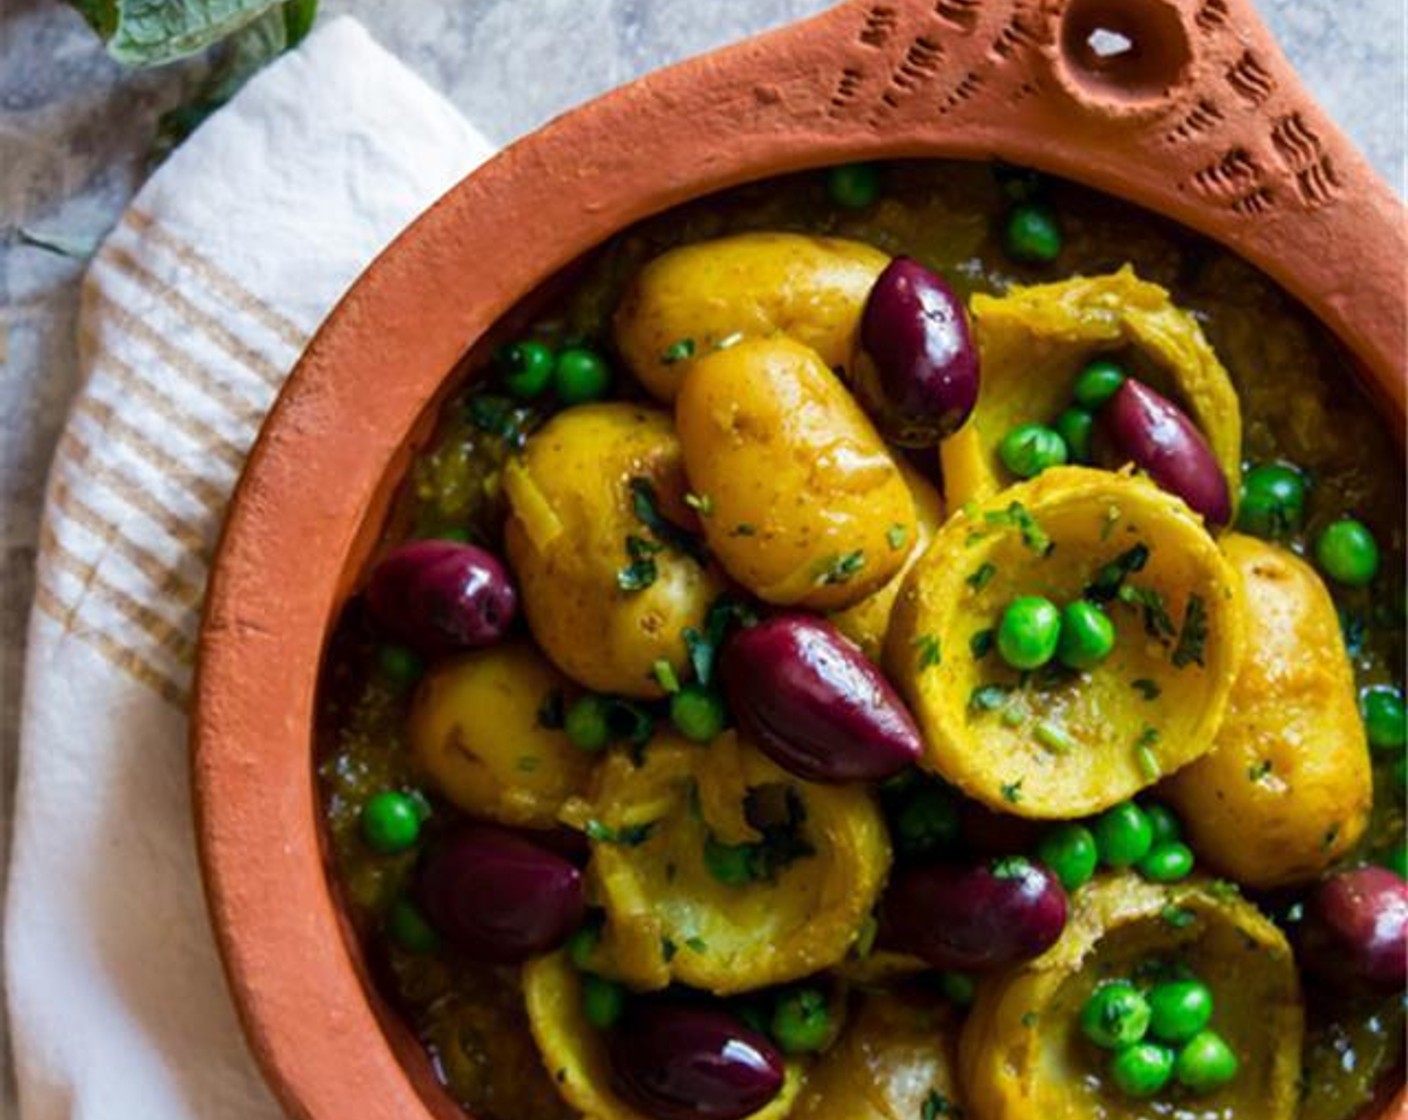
(976, 916)
(441, 596)
(1153, 432)
(814, 704)
(500, 897)
(679, 1061)
(1357, 928)
(920, 380)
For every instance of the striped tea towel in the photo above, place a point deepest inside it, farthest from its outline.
(194, 311)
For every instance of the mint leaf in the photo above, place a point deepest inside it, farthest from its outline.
(151, 32)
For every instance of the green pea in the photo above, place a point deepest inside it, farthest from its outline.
(1029, 632)
(1032, 234)
(1123, 835)
(1141, 1070)
(1385, 718)
(1069, 851)
(958, 988)
(854, 186)
(697, 713)
(1029, 449)
(1164, 821)
(403, 666)
(581, 375)
(1179, 1009)
(730, 864)
(801, 1021)
(407, 926)
(1205, 1063)
(1273, 500)
(525, 367)
(1348, 553)
(603, 1001)
(1076, 426)
(1087, 635)
(582, 945)
(1097, 383)
(927, 822)
(390, 822)
(587, 724)
(1167, 863)
(1115, 1016)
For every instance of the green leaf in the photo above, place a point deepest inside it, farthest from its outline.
(151, 32)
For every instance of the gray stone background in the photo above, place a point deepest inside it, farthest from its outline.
(75, 136)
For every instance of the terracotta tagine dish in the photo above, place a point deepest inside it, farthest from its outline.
(856, 578)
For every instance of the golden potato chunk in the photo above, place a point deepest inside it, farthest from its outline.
(807, 506)
(1033, 341)
(604, 595)
(1057, 742)
(1022, 1053)
(719, 870)
(1287, 787)
(475, 730)
(688, 302)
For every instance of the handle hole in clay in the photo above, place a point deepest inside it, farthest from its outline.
(1124, 50)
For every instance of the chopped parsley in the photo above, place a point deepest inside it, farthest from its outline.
(724, 615)
(629, 836)
(1259, 770)
(664, 674)
(982, 577)
(1146, 688)
(1029, 1019)
(645, 503)
(896, 536)
(1177, 917)
(1054, 737)
(778, 814)
(678, 352)
(696, 945)
(1010, 867)
(668, 949)
(1144, 756)
(1157, 623)
(1017, 516)
(841, 569)
(937, 1105)
(1193, 638)
(980, 644)
(1012, 791)
(501, 417)
(1108, 581)
(989, 697)
(702, 504)
(927, 652)
(642, 571)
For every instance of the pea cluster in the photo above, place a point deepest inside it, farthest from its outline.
(1147, 838)
(392, 822)
(1159, 1035)
(1033, 631)
(1029, 449)
(594, 722)
(575, 374)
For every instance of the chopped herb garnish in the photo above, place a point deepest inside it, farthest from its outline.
(743, 529)
(927, 652)
(668, 949)
(500, 416)
(1010, 867)
(1148, 763)
(896, 536)
(1177, 917)
(989, 697)
(665, 676)
(1331, 835)
(865, 939)
(1193, 638)
(527, 763)
(646, 505)
(1224, 889)
(982, 577)
(778, 814)
(1029, 1019)
(841, 569)
(702, 504)
(1355, 630)
(696, 945)
(1108, 581)
(552, 711)
(678, 352)
(724, 615)
(1157, 623)
(637, 575)
(1146, 688)
(1017, 516)
(1053, 737)
(980, 644)
(1148, 737)
(631, 836)
(936, 1105)
(1012, 791)
(1258, 770)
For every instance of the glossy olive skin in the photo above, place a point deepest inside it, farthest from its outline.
(1157, 436)
(1357, 928)
(974, 917)
(918, 377)
(499, 896)
(441, 596)
(814, 704)
(677, 1061)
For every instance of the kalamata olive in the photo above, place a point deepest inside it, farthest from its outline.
(499, 896)
(1151, 431)
(972, 917)
(918, 377)
(1356, 928)
(679, 1061)
(440, 596)
(814, 704)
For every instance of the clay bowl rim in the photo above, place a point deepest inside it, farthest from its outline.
(342, 429)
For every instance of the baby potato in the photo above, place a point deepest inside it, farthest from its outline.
(604, 596)
(807, 506)
(867, 622)
(1286, 789)
(686, 302)
(475, 730)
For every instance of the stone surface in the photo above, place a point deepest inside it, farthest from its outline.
(75, 136)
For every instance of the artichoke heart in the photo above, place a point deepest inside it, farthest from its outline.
(719, 870)
(1035, 340)
(1058, 742)
(1022, 1054)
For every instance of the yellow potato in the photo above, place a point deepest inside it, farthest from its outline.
(1059, 743)
(808, 506)
(1287, 788)
(817, 857)
(867, 621)
(1023, 1056)
(897, 1060)
(686, 303)
(572, 497)
(475, 730)
(1033, 341)
(575, 1055)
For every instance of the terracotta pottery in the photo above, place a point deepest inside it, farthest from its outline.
(1202, 120)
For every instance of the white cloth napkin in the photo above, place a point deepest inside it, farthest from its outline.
(194, 310)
